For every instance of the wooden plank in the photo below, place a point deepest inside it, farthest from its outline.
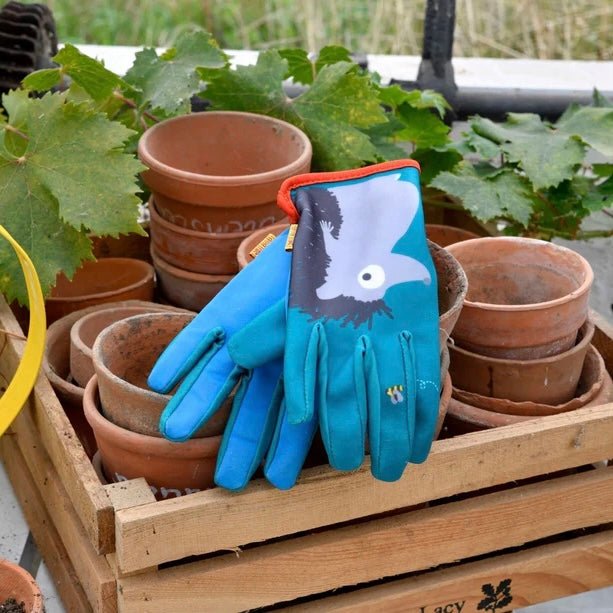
(536, 575)
(603, 338)
(43, 529)
(372, 550)
(131, 493)
(92, 569)
(217, 519)
(74, 468)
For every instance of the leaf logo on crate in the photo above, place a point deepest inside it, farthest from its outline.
(497, 598)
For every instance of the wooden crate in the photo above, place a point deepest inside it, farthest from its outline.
(517, 512)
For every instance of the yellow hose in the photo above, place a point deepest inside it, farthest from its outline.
(20, 387)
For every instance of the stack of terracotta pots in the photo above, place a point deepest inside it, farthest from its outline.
(522, 345)
(214, 178)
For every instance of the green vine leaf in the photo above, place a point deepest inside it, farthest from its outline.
(169, 81)
(548, 157)
(333, 112)
(42, 80)
(435, 161)
(64, 175)
(302, 70)
(593, 125)
(500, 194)
(421, 127)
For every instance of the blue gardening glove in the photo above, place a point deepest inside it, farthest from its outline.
(362, 345)
(198, 358)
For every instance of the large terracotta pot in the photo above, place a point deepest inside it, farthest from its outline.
(123, 355)
(444, 236)
(526, 298)
(194, 251)
(551, 380)
(220, 171)
(18, 584)
(171, 469)
(134, 246)
(98, 282)
(189, 290)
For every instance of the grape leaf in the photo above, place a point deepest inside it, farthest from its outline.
(42, 80)
(594, 126)
(302, 70)
(394, 96)
(502, 194)
(339, 104)
(433, 162)
(602, 170)
(600, 196)
(169, 81)
(548, 157)
(421, 127)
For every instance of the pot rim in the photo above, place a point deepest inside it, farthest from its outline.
(26, 579)
(532, 306)
(144, 266)
(242, 248)
(587, 330)
(156, 218)
(185, 275)
(127, 439)
(100, 364)
(222, 180)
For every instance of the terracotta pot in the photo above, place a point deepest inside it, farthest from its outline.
(124, 354)
(171, 469)
(133, 246)
(189, 290)
(243, 253)
(85, 330)
(201, 252)
(551, 380)
(98, 282)
(220, 171)
(526, 298)
(443, 406)
(18, 584)
(447, 235)
(594, 388)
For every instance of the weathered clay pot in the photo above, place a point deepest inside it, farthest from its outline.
(526, 299)
(200, 252)
(551, 380)
(189, 290)
(135, 246)
(171, 469)
(220, 171)
(85, 330)
(98, 282)
(594, 387)
(447, 235)
(124, 354)
(243, 252)
(18, 583)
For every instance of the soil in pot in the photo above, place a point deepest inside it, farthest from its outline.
(98, 282)
(526, 298)
(124, 354)
(18, 590)
(171, 469)
(220, 171)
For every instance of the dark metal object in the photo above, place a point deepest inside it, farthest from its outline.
(30, 556)
(28, 41)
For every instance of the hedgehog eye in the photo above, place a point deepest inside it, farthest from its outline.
(371, 277)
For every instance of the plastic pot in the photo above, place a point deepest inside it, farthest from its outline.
(18, 584)
(526, 298)
(171, 469)
(552, 380)
(123, 356)
(220, 171)
(99, 282)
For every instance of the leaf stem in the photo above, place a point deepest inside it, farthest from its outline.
(14, 130)
(133, 105)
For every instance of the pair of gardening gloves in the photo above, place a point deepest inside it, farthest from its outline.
(337, 332)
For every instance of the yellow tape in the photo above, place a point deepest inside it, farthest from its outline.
(25, 377)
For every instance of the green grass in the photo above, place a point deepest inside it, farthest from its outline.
(579, 29)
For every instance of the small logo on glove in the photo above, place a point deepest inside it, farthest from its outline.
(395, 393)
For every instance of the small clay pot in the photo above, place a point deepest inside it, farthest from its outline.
(18, 583)
(526, 298)
(189, 290)
(594, 387)
(171, 469)
(98, 282)
(552, 380)
(85, 330)
(243, 253)
(200, 252)
(220, 171)
(447, 235)
(123, 355)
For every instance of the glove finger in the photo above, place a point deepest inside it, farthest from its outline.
(199, 396)
(391, 420)
(262, 340)
(250, 427)
(288, 449)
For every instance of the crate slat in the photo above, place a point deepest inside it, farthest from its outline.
(544, 573)
(368, 551)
